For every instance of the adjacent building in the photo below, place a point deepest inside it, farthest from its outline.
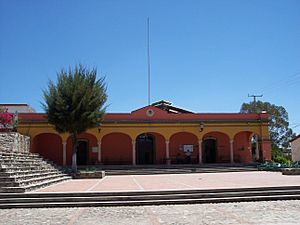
(17, 108)
(295, 144)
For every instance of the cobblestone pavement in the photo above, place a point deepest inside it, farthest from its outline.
(273, 212)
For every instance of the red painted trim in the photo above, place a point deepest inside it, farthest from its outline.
(34, 117)
(159, 115)
(295, 138)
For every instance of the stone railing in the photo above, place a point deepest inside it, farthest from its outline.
(12, 141)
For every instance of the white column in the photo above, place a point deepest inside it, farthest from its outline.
(231, 151)
(257, 148)
(200, 151)
(64, 153)
(99, 152)
(168, 161)
(133, 153)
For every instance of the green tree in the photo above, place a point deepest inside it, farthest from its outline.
(75, 103)
(279, 130)
(280, 133)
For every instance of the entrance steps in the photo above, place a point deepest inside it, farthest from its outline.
(20, 172)
(137, 198)
(176, 169)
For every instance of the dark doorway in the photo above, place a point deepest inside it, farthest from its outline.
(210, 151)
(145, 149)
(82, 152)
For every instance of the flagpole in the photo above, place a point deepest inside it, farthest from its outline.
(148, 55)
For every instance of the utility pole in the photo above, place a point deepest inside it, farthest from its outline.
(254, 99)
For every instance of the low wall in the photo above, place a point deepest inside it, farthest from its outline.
(13, 141)
(291, 171)
(90, 175)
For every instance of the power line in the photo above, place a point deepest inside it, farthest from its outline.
(295, 125)
(288, 81)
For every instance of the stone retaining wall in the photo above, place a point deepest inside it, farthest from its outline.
(13, 141)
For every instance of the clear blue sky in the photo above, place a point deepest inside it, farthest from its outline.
(206, 56)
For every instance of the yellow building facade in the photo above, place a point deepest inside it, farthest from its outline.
(156, 134)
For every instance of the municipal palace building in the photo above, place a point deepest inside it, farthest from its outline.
(156, 134)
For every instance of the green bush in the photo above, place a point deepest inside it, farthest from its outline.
(278, 156)
(281, 159)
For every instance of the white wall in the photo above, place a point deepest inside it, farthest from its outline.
(296, 149)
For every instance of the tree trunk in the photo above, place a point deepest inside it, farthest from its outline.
(74, 151)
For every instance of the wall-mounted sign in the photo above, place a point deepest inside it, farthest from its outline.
(188, 149)
(94, 149)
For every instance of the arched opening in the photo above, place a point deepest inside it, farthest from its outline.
(184, 148)
(210, 150)
(245, 147)
(145, 149)
(49, 146)
(255, 147)
(82, 152)
(116, 148)
(216, 148)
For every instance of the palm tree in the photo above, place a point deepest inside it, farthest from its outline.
(75, 103)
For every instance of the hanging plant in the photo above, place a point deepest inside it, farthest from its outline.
(7, 120)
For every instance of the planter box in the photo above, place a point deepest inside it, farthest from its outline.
(291, 171)
(91, 175)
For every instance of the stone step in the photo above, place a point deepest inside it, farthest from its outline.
(8, 184)
(26, 168)
(39, 179)
(20, 157)
(25, 172)
(175, 171)
(18, 154)
(23, 159)
(86, 199)
(27, 176)
(24, 163)
(20, 160)
(147, 202)
(268, 189)
(33, 186)
(26, 182)
(141, 196)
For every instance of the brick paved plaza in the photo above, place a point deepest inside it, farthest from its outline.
(176, 182)
(271, 212)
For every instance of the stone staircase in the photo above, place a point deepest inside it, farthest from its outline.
(21, 172)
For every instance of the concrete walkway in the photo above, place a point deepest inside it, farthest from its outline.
(176, 182)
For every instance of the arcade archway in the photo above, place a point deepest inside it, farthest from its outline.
(145, 149)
